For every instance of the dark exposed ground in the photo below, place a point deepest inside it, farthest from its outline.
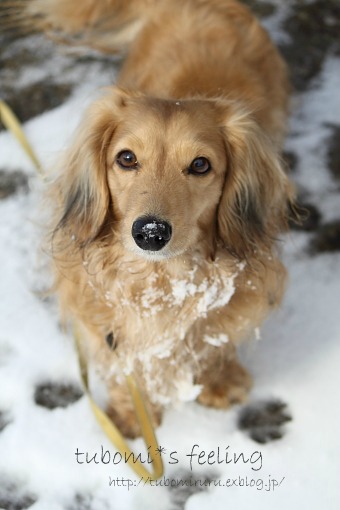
(181, 494)
(18, 61)
(37, 98)
(327, 238)
(314, 32)
(81, 502)
(52, 395)
(313, 29)
(333, 153)
(4, 421)
(12, 182)
(14, 497)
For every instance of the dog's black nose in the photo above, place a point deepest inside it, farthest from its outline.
(151, 233)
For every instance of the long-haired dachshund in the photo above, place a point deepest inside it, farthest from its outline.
(171, 196)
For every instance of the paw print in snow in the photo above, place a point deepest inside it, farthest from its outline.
(264, 420)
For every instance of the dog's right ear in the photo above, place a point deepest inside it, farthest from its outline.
(82, 189)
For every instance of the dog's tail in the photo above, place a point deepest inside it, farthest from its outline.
(106, 25)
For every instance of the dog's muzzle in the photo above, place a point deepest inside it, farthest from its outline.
(151, 233)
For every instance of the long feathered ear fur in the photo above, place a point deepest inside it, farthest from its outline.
(82, 189)
(257, 196)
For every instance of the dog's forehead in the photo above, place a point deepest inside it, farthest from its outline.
(150, 119)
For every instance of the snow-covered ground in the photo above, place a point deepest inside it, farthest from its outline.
(296, 361)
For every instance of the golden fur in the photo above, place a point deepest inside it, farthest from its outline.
(201, 79)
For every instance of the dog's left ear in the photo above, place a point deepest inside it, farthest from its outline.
(257, 196)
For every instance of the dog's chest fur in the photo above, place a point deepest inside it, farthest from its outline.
(154, 310)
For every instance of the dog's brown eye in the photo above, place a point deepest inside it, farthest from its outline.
(199, 166)
(127, 160)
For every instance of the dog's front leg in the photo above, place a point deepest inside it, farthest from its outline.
(225, 382)
(119, 406)
(121, 410)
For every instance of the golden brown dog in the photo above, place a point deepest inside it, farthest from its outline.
(172, 195)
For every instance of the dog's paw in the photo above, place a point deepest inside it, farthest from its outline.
(127, 422)
(232, 388)
(222, 397)
(264, 420)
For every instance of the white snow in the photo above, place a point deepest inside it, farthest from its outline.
(210, 293)
(297, 360)
(216, 340)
